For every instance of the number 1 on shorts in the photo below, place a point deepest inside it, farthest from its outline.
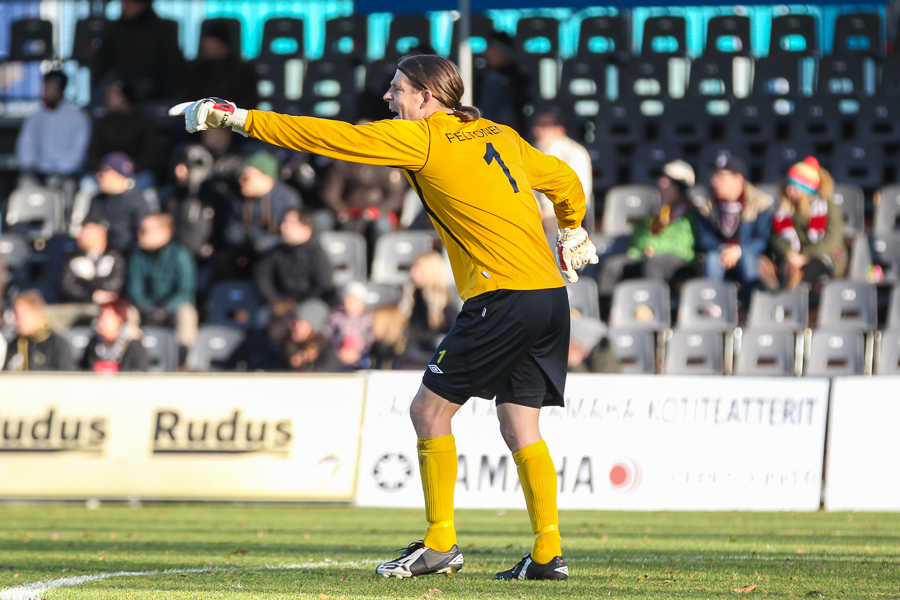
(441, 355)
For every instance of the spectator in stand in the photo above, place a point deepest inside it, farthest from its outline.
(307, 349)
(389, 339)
(589, 348)
(142, 47)
(228, 161)
(503, 87)
(250, 228)
(808, 228)
(124, 127)
(364, 198)
(264, 350)
(162, 279)
(426, 304)
(116, 346)
(52, 144)
(350, 327)
(550, 137)
(733, 228)
(119, 200)
(297, 269)
(220, 71)
(661, 244)
(36, 347)
(92, 275)
(190, 202)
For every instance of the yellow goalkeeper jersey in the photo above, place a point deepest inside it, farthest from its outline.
(474, 180)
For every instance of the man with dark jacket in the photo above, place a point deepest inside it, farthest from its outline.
(95, 273)
(119, 201)
(162, 279)
(143, 47)
(297, 269)
(733, 229)
(219, 70)
(37, 347)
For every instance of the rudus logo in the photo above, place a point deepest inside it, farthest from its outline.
(235, 434)
(52, 432)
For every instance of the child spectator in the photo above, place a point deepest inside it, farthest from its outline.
(808, 228)
(589, 348)
(36, 347)
(116, 345)
(350, 327)
(162, 279)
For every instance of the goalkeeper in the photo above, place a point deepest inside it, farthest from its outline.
(511, 339)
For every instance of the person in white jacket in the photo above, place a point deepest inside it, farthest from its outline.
(550, 137)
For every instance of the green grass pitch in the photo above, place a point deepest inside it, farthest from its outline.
(237, 552)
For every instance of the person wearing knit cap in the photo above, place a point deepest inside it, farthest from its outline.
(662, 244)
(119, 201)
(733, 228)
(808, 228)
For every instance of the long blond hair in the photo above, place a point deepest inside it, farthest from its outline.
(435, 290)
(441, 76)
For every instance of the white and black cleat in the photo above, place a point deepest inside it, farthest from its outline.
(418, 559)
(528, 569)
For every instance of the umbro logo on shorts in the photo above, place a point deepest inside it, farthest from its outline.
(435, 369)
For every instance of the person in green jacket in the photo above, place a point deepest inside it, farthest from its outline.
(662, 243)
(807, 239)
(162, 279)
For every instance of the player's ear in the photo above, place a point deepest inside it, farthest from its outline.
(426, 98)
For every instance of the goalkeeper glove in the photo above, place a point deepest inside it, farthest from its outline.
(574, 249)
(210, 113)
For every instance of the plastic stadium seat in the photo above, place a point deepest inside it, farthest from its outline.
(629, 295)
(887, 211)
(283, 36)
(87, 39)
(481, 27)
(36, 212)
(754, 120)
(766, 352)
(347, 252)
(604, 160)
(793, 33)
(695, 352)
(816, 120)
(648, 78)
(879, 117)
(233, 303)
(849, 304)
(537, 36)
(604, 35)
(395, 253)
(729, 35)
(686, 121)
(716, 76)
(231, 25)
(847, 75)
(893, 317)
(347, 37)
(42, 270)
(329, 89)
(708, 304)
(836, 351)
(635, 349)
(380, 294)
(886, 252)
(859, 163)
(31, 40)
(852, 201)
(649, 159)
(620, 122)
(781, 76)
(788, 309)
(213, 346)
(627, 204)
(584, 297)
(888, 362)
(781, 156)
(406, 32)
(582, 89)
(858, 33)
(79, 337)
(860, 258)
(664, 36)
(14, 250)
(162, 349)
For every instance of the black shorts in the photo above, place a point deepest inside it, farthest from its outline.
(512, 344)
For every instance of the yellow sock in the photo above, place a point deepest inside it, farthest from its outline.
(538, 477)
(438, 465)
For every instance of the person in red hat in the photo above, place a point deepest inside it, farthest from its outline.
(808, 227)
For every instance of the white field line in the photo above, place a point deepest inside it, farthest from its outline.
(34, 591)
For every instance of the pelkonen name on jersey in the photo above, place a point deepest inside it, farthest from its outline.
(465, 136)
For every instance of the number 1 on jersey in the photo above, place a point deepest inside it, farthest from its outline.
(489, 155)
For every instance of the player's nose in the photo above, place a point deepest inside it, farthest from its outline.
(387, 96)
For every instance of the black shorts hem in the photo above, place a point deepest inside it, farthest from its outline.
(533, 401)
(446, 394)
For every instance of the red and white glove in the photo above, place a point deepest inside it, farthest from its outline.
(574, 249)
(210, 113)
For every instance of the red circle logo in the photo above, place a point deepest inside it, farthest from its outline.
(625, 475)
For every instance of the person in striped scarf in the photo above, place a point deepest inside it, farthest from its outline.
(808, 228)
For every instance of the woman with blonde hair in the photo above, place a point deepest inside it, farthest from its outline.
(808, 227)
(426, 305)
